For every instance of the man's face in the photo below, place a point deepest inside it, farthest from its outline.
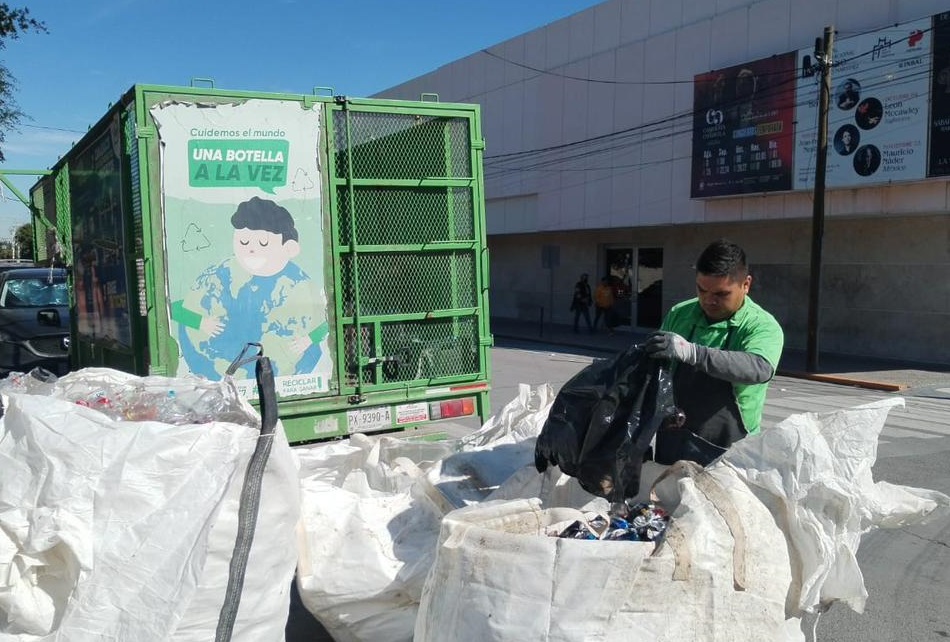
(721, 296)
(263, 253)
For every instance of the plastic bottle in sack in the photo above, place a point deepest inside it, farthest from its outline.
(172, 411)
(208, 405)
(213, 404)
(134, 405)
(105, 401)
(37, 381)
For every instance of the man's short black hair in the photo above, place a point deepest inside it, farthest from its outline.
(260, 214)
(723, 258)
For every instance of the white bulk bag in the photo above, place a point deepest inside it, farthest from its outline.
(722, 575)
(768, 531)
(367, 533)
(124, 530)
(813, 471)
(372, 508)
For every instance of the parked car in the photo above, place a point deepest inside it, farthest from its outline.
(15, 264)
(34, 320)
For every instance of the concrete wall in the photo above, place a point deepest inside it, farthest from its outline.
(648, 52)
(885, 282)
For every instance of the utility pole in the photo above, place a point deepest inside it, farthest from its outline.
(823, 57)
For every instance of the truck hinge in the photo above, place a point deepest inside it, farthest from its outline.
(478, 144)
(145, 131)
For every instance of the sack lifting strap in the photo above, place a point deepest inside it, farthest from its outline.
(717, 496)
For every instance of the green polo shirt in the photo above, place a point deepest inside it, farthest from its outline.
(751, 329)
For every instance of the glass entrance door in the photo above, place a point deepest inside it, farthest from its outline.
(619, 270)
(649, 287)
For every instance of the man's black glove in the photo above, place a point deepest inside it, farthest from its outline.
(669, 345)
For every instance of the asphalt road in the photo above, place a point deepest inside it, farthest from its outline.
(907, 571)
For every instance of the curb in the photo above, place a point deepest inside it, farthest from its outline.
(844, 381)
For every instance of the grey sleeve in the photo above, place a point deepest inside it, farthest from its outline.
(733, 366)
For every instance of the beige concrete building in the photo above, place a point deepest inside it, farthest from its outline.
(589, 129)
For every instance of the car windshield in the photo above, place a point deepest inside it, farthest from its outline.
(34, 292)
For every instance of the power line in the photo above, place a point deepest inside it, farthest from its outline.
(593, 80)
(792, 82)
(692, 112)
(499, 170)
(548, 72)
(537, 156)
(55, 129)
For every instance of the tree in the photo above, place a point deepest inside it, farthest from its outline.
(23, 238)
(13, 23)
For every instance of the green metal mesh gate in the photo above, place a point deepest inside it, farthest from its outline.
(43, 203)
(406, 239)
(63, 216)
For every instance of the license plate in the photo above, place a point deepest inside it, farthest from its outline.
(368, 419)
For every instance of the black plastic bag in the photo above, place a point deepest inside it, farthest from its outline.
(603, 420)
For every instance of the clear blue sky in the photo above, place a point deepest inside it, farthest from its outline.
(96, 49)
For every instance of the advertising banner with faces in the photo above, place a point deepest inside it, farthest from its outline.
(878, 112)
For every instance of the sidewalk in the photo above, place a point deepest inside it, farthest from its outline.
(866, 372)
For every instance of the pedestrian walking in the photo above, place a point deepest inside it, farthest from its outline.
(580, 303)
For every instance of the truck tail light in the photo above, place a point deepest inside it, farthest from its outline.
(452, 408)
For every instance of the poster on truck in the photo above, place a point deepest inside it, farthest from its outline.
(877, 121)
(241, 202)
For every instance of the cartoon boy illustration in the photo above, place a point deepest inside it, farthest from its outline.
(258, 295)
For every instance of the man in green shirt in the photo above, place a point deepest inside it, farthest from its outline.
(725, 349)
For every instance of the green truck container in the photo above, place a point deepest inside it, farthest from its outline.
(344, 236)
